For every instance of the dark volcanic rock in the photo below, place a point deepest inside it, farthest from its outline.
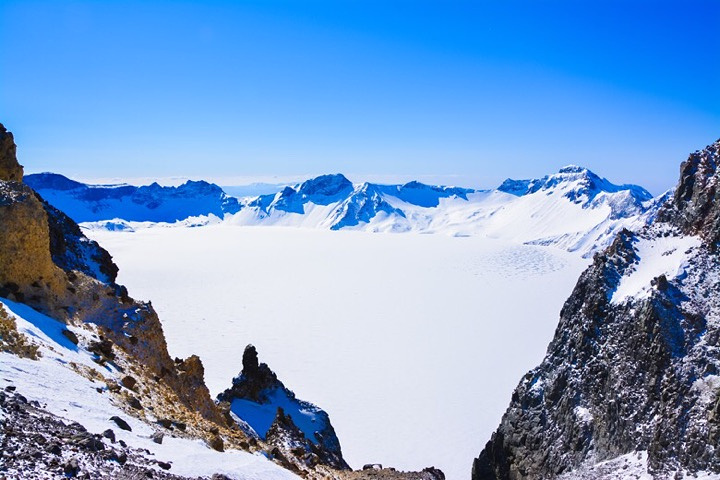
(312, 443)
(70, 336)
(121, 423)
(627, 374)
(694, 206)
(36, 444)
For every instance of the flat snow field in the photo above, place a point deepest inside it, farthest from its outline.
(412, 343)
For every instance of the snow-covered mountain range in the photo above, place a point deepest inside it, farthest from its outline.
(150, 203)
(573, 209)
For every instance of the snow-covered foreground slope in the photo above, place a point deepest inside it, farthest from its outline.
(53, 381)
(412, 343)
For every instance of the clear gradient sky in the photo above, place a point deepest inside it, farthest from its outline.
(467, 93)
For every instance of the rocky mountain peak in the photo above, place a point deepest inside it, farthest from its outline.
(276, 416)
(578, 184)
(10, 169)
(326, 185)
(574, 169)
(694, 206)
(630, 379)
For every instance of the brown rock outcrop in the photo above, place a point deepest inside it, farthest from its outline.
(10, 169)
(47, 263)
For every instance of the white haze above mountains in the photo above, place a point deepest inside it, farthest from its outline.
(412, 343)
(574, 209)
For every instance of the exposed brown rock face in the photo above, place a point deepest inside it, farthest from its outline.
(47, 263)
(10, 169)
(191, 378)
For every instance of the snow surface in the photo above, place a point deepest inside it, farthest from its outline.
(631, 466)
(260, 416)
(657, 256)
(412, 343)
(54, 384)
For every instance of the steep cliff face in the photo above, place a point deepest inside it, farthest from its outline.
(634, 366)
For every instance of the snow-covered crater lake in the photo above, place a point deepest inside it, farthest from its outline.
(412, 343)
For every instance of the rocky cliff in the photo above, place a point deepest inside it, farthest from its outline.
(276, 416)
(10, 169)
(630, 382)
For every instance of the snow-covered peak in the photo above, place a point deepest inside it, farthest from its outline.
(52, 181)
(423, 195)
(573, 209)
(578, 184)
(325, 185)
(573, 169)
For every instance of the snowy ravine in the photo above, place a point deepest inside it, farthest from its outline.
(630, 385)
(574, 209)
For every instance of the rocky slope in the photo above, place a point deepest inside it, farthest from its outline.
(630, 382)
(37, 444)
(48, 264)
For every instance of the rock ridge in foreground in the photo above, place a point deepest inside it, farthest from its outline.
(633, 369)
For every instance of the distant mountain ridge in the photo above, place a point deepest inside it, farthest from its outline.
(589, 184)
(153, 203)
(573, 209)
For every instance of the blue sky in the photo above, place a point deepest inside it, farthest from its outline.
(467, 93)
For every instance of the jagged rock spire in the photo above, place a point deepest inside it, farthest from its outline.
(289, 431)
(250, 361)
(10, 169)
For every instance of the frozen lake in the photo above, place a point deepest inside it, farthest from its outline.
(412, 343)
